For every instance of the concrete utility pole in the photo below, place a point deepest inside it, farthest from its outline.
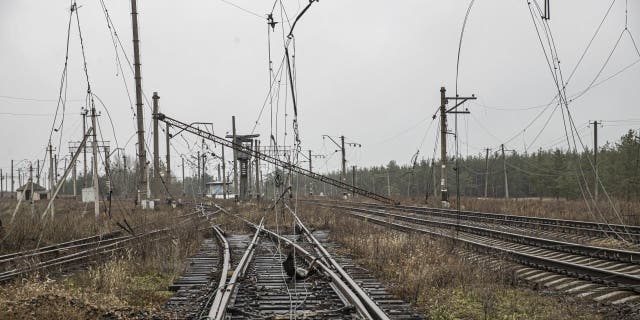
(595, 159)
(224, 176)
(257, 159)
(142, 155)
(96, 187)
(353, 178)
(38, 171)
(30, 184)
(53, 209)
(311, 170)
(486, 172)
(75, 191)
(204, 170)
(235, 157)
(198, 172)
(1, 184)
(444, 100)
(167, 177)
(12, 179)
(344, 160)
(156, 147)
(156, 144)
(74, 175)
(443, 148)
(84, 150)
(504, 165)
(107, 170)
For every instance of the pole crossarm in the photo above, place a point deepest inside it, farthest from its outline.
(463, 100)
(282, 164)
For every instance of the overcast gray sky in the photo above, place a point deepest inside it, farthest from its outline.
(370, 70)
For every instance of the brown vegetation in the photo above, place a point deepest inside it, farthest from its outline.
(432, 276)
(129, 284)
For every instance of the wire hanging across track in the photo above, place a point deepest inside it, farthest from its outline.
(280, 163)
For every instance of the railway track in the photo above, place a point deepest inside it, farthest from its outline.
(574, 230)
(610, 267)
(75, 254)
(259, 287)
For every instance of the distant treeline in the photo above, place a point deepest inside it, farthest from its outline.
(545, 173)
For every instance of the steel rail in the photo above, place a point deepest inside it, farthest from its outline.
(81, 255)
(584, 227)
(5, 276)
(73, 244)
(607, 277)
(568, 247)
(221, 301)
(371, 306)
(273, 160)
(222, 283)
(344, 289)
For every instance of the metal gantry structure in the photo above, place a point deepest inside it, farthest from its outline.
(275, 161)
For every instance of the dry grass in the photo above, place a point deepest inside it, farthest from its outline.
(430, 275)
(628, 212)
(130, 284)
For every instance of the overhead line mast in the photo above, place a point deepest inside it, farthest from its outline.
(273, 160)
(142, 156)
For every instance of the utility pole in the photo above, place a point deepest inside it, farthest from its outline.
(204, 168)
(96, 187)
(53, 209)
(504, 165)
(156, 147)
(75, 192)
(224, 176)
(341, 145)
(257, 159)
(30, 184)
(107, 170)
(12, 179)
(444, 100)
(353, 178)
(167, 178)
(142, 155)
(235, 157)
(344, 160)
(486, 172)
(595, 159)
(311, 170)
(38, 171)
(443, 148)
(84, 150)
(198, 172)
(1, 184)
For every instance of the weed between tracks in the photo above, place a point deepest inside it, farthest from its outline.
(130, 284)
(429, 273)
